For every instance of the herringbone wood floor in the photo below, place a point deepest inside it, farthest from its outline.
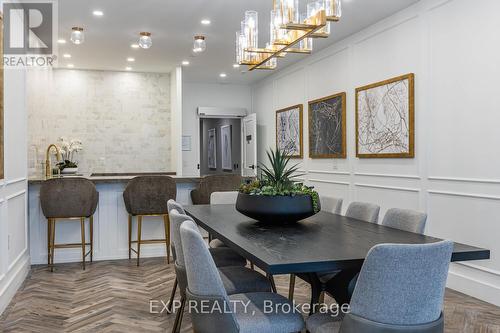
(113, 296)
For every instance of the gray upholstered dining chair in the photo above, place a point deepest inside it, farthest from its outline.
(363, 211)
(236, 279)
(222, 198)
(246, 310)
(148, 196)
(400, 289)
(405, 219)
(331, 204)
(68, 198)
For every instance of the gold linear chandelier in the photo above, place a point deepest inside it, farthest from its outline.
(291, 32)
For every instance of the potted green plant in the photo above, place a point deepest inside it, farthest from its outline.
(275, 196)
(69, 150)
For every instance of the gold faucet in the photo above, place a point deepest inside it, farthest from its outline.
(48, 168)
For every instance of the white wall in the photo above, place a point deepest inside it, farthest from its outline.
(453, 48)
(176, 119)
(14, 251)
(122, 118)
(216, 95)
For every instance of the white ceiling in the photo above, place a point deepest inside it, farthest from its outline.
(173, 23)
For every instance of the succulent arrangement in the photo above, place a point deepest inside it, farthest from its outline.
(278, 179)
(68, 150)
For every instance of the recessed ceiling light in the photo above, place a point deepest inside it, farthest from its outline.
(185, 63)
(222, 75)
(98, 13)
(71, 65)
(61, 41)
(128, 68)
(130, 59)
(67, 55)
(236, 65)
(205, 22)
(134, 46)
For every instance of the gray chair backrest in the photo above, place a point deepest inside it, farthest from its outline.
(68, 197)
(172, 204)
(363, 211)
(223, 198)
(332, 205)
(402, 284)
(203, 276)
(176, 220)
(405, 219)
(148, 195)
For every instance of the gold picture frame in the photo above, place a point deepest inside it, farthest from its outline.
(375, 141)
(312, 133)
(291, 123)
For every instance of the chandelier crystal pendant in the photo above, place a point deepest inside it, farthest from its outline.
(77, 37)
(199, 45)
(145, 40)
(289, 31)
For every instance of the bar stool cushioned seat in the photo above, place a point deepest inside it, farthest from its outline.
(63, 198)
(214, 183)
(68, 197)
(148, 196)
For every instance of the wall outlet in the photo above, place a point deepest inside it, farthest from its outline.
(8, 242)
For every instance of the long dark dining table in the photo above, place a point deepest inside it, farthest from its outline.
(321, 243)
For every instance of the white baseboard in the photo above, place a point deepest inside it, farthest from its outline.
(475, 283)
(12, 280)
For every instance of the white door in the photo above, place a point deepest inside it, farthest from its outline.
(249, 146)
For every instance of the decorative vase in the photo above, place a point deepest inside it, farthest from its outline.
(275, 209)
(69, 171)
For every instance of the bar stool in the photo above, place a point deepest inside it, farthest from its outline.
(148, 196)
(70, 198)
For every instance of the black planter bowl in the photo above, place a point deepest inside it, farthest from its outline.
(279, 209)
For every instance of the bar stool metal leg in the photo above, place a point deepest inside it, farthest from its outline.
(178, 316)
(166, 222)
(52, 243)
(139, 230)
(91, 222)
(129, 237)
(82, 223)
(49, 233)
(291, 288)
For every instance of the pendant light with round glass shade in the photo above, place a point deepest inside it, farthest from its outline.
(145, 40)
(77, 36)
(199, 44)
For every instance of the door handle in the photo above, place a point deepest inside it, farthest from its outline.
(252, 167)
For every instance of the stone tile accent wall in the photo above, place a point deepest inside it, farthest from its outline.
(123, 119)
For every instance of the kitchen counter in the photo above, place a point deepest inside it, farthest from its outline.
(110, 221)
(118, 178)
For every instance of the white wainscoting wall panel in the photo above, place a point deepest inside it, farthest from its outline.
(14, 252)
(455, 175)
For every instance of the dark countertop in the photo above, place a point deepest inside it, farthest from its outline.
(100, 178)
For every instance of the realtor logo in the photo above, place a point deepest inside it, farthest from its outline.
(29, 33)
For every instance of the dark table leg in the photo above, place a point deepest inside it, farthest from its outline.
(339, 286)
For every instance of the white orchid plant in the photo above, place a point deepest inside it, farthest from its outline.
(69, 150)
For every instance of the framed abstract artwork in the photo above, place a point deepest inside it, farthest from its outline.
(385, 119)
(327, 127)
(289, 131)
(227, 162)
(212, 149)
